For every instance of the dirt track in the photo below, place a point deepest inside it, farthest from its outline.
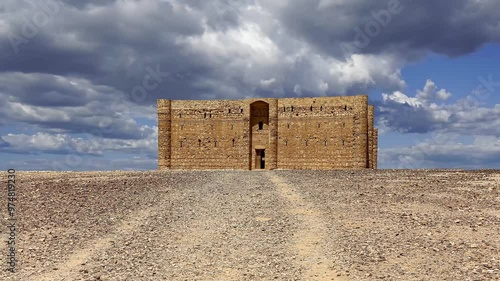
(262, 225)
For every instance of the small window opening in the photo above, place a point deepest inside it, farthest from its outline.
(284, 108)
(307, 142)
(241, 110)
(286, 142)
(261, 125)
(345, 107)
(343, 142)
(210, 115)
(180, 115)
(288, 126)
(292, 107)
(311, 108)
(215, 143)
(230, 110)
(321, 108)
(199, 142)
(233, 142)
(205, 115)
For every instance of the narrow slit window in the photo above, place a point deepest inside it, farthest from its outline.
(284, 108)
(199, 142)
(286, 142)
(292, 107)
(230, 110)
(311, 108)
(215, 143)
(233, 142)
(180, 115)
(324, 142)
(261, 125)
(307, 143)
(205, 115)
(321, 108)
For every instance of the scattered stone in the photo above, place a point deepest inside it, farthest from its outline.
(237, 225)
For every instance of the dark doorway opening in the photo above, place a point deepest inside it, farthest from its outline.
(260, 159)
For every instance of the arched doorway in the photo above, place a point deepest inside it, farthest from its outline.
(259, 134)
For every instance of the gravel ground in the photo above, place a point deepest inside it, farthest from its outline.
(256, 225)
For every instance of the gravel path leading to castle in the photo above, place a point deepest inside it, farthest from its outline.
(257, 225)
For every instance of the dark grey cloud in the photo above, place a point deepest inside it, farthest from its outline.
(451, 27)
(88, 3)
(404, 118)
(110, 45)
(206, 46)
(42, 90)
(71, 105)
(427, 112)
(83, 146)
(225, 48)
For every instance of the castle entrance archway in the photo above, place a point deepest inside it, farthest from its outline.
(259, 134)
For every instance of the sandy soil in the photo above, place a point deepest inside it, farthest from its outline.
(255, 225)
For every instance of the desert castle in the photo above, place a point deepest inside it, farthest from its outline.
(269, 133)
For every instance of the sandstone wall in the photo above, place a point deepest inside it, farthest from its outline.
(322, 133)
(164, 134)
(209, 134)
(370, 136)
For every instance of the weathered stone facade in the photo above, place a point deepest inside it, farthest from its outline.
(286, 133)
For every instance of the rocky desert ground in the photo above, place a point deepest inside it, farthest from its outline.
(255, 225)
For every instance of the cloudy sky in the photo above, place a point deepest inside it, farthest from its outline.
(79, 79)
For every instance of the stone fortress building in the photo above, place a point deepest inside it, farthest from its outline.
(269, 133)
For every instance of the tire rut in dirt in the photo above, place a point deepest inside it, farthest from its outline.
(309, 241)
(214, 226)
